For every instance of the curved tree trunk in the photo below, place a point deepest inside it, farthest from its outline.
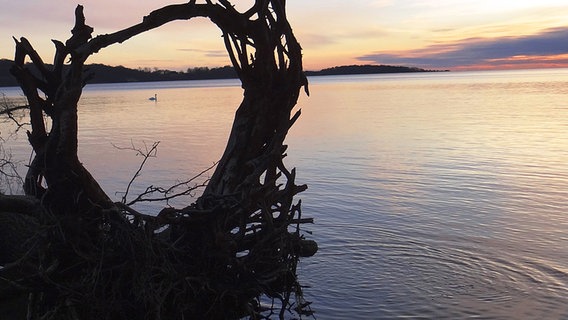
(56, 175)
(221, 253)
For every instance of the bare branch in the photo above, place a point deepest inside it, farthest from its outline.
(231, 52)
(188, 188)
(10, 179)
(146, 154)
(7, 110)
(12, 112)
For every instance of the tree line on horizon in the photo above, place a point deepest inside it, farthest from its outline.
(101, 73)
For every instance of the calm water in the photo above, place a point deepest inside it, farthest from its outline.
(435, 195)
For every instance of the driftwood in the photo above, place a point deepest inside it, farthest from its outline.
(71, 253)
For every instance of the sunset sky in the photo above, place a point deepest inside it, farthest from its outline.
(441, 34)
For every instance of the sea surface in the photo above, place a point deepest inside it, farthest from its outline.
(435, 195)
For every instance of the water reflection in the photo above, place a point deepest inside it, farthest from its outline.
(446, 194)
(435, 195)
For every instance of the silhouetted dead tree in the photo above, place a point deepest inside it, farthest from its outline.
(69, 252)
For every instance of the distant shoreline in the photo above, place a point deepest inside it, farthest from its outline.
(119, 74)
(367, 69)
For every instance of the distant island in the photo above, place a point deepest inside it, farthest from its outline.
(109, 74)
(367, 69)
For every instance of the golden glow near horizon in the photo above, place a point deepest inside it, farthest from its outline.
(445, 34)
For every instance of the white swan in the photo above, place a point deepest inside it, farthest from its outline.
(154, 98)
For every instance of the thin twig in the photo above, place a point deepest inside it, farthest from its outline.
(170, 192)
(147, 153)
(8, 110)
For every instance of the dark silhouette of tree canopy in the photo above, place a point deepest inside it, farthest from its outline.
(69, 252)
